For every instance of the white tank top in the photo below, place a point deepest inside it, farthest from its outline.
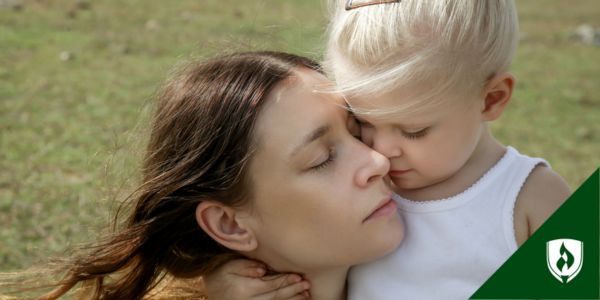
(451, 246)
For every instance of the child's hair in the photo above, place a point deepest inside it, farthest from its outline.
(200, 144)
(429, 48)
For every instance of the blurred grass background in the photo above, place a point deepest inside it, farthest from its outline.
(76, 77)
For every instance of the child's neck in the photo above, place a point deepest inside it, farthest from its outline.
(486, 154)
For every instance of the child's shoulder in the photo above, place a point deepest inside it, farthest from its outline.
(543, 192)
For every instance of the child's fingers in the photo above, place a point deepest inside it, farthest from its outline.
(246, 268)
(296, 297)
(281, 280)
(283, 286)
(272, 283)
(298, 290)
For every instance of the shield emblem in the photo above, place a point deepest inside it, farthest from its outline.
(564, 258)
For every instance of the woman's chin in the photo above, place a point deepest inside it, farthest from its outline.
(386, 241)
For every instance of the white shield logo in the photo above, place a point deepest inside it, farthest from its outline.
(564, 258)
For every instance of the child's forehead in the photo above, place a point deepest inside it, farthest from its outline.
(401, 112)
(393, 116)
(413, 92)
(385, 106)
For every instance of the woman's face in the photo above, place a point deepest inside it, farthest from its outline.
(319, 196)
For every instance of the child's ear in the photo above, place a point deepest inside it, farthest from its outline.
(222, 223)
(497, 94)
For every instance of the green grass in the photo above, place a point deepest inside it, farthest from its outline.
(69, 130)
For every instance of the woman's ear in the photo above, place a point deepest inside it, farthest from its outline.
(497, 94)
(222, 223)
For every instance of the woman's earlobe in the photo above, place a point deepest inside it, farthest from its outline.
(498, 93)
(222, 224)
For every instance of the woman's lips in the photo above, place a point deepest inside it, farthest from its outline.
(385, 208)
(396, 173)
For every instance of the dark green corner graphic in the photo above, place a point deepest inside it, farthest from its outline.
(537, 270)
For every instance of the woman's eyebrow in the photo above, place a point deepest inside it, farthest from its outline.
(312, 136)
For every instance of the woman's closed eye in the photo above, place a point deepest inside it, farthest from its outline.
(323, 164)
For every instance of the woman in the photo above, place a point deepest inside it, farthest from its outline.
(247, 158)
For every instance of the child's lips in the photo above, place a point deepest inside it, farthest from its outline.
(396, 173)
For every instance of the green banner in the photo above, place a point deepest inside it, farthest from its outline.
(560, 260)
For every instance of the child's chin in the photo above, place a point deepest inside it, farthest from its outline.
(405, 184)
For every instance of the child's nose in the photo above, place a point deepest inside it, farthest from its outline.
(387, 145)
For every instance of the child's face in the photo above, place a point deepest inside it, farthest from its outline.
(424, 148)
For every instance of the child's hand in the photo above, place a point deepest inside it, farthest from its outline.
(245, 279)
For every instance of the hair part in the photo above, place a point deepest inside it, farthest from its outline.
(425, 48)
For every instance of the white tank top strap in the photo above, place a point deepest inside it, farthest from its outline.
(514, 179)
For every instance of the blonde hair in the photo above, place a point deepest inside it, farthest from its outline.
(427, 48)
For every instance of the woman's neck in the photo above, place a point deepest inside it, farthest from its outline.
(328, 284)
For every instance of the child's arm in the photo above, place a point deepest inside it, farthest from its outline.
(245, 279)
(543, 193)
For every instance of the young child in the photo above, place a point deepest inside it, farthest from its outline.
(424, 78)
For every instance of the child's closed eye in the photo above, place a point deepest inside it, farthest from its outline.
(415, 133)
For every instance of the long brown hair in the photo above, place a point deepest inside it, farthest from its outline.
(200, 143)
